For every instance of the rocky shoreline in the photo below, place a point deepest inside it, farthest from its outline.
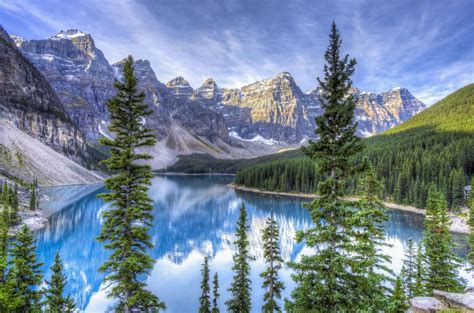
(458, 224)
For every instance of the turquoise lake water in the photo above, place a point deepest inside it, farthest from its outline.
(195, 216)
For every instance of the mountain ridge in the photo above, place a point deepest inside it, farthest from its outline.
(259, 118)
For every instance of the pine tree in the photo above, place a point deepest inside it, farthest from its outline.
(3, 249)
(409, 269)
(7, 300)
(271, 253)
(369, 263)
(325, 280)
(442, 263)
(55, 301)
(215, 294)
(398, 301)
(125, 227)
(14, 207)
(204, 300)
(6, 195)
(33, 199)
(6, 215)
(419, 272)
(471, 227)
(457, 193)
(240, 289)
(25, 273)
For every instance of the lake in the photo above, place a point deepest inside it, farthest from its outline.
(195, 216)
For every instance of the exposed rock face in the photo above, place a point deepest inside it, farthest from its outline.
(180, 87)
(273, 108)
(444, 301)
(27, 100)
(277, 109)
(171, 104)
(378, 112)
(78, 72)
(26, 157)
(83, 79)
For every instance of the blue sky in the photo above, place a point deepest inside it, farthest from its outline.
(424, 45)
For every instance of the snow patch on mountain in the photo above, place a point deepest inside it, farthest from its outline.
(68, 34)
(257, 139)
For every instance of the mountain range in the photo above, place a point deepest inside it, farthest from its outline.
(261, 118)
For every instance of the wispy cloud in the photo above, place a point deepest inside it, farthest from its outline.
(426, 46)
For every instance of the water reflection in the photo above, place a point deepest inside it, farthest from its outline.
(194, 216)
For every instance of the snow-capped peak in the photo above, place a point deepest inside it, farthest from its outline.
(18, 40)
(69, 34)
(178, 82)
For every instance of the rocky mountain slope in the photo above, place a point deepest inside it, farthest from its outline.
(256, 119)
(78, 72)
(34, 126)
(277, 109)
(27, 158)
(28, 100)
(83, 80)
(376, 113)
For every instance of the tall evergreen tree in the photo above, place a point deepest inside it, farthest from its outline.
(215, 294)
(55, 301)
(3, 249)
(205, 300)
(409, 269)
(325, 280)
(6, 194)
(271, 253)
(419, 272)
(125, 227)
(33, 199)
(370, 264)
(398, 301)
(240, 289)
(25, 273)
(14, 206)
(441, 263)
(7, 303)
(471, 227)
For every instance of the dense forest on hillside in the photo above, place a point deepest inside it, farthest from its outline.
(204, 163)
(434, 147)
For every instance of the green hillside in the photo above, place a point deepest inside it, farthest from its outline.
(434, 147)
(453, 113)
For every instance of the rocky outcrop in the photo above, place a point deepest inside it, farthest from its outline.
(29, 102)
(274, 109)
(180, 87)
(78, 72)
(378, 112)
(442, 301)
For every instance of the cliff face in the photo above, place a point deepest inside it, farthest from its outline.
(378, 112)
(172, 104)
(79, 74)
(27, 100)
(276, 109)
(83, 80)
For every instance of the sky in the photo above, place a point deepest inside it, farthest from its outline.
(426, 46)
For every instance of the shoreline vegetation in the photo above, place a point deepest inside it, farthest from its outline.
(38, 218)
(458, 225)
